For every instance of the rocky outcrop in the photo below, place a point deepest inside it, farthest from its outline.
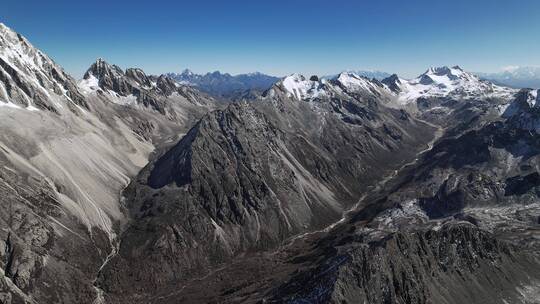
(30, 79)
(456, 264)
(160, 94)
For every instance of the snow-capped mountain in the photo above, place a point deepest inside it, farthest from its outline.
(224, 84)
(371, 74)
(445, 82)
(346, 83)
(434, 83)
(516, 76)
(30, 79)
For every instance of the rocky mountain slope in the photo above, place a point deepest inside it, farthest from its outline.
(247, 178)
(66, 153)
(456, 225)
(461, 226)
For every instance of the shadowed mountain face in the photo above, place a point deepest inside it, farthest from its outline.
(130, 188)
(246, 178)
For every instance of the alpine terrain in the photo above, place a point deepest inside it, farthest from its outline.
(125, 187)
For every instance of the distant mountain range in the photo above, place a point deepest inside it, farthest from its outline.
(220, 84)
(518, 77)
(365, 73)
(224, 84)
(236, 87)
(233, 87)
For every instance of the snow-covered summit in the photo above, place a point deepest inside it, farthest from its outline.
(436, 82)
(445, 82)
(347, 83)
(30, 79)
(353, 82)
(298, 86)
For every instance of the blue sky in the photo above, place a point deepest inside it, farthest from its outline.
(281, 37)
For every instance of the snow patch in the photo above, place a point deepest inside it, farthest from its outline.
(89, 85)
(296, 85)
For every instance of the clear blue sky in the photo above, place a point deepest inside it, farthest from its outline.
(281, 37)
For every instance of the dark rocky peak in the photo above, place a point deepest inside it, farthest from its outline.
(138, 76)
(439, 71)
(166, 85)
(524, 102)
(102, 69)
(187, 72)
(217, 75)
(393, 82)
(392, 79)
(110, 77)
(425, 79)
(452, 73)
(524, 112)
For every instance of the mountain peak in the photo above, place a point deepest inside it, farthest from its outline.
(301, 88)
(454, 71)
(440, 71)
(295, 77)
(29, 78)
(393, 82)
(101, 68)
(139, 76)
(187, 72)
(445, 81)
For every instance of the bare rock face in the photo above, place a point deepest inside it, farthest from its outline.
(247, 178)
(66, 153)
(30, 79)
(460, 226)
(43, 260)
(457, 264)
(166, 85)
(134, 87)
